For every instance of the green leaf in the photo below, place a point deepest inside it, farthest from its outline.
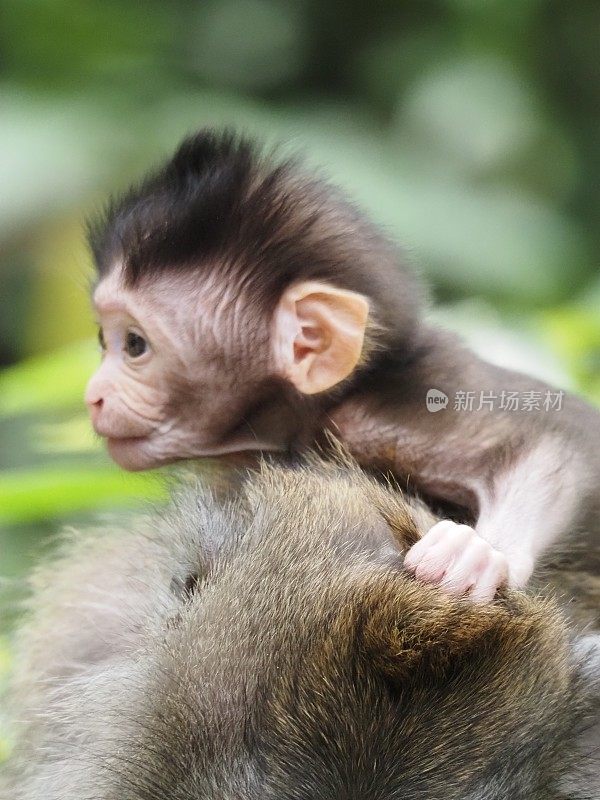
(59, 490)
(49, 382)
(574, 333)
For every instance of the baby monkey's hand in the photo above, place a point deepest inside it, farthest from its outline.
(456, 558)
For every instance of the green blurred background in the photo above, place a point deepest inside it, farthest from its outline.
(469, 128)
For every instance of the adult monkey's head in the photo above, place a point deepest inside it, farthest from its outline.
(236, 296)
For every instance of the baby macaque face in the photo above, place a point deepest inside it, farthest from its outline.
(193, 367)
(170, 385)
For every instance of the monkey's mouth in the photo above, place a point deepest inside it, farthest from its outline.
(131, 452)
(125, 440)
(123, 444)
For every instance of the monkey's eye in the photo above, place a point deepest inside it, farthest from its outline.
(101, 339)
(135, 345)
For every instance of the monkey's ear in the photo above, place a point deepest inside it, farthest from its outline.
(318, 335)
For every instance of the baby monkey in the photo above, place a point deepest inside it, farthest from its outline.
(245, 305)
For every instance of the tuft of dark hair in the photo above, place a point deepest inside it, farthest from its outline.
(221, 203)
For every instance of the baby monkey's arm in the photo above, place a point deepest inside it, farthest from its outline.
(529, 478)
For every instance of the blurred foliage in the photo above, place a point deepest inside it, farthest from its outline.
(469, 130)
(32, 385)
(30, 495)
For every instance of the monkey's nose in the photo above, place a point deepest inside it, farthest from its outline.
(95, 408)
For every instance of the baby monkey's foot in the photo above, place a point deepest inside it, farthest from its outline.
(456, 558)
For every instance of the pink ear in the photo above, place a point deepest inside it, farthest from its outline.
(318, 335)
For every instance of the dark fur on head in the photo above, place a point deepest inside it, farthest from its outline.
(263, 222)
(272, 648)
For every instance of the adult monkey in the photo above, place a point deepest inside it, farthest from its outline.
(245, 305)
(273, 648)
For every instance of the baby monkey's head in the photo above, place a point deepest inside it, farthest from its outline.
(234, 293)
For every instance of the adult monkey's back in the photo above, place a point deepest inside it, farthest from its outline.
(273, 648)
(246, 305)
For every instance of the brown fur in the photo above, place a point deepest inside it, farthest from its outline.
(271, 647)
